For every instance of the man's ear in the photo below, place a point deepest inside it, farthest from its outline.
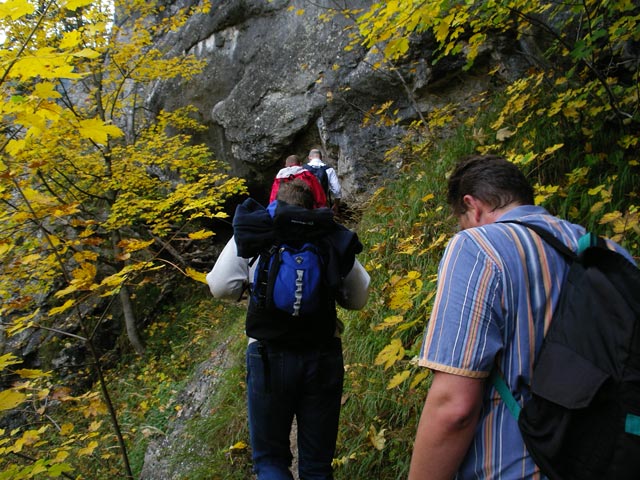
(475, 207)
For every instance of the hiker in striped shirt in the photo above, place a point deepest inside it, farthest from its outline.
(498, 285)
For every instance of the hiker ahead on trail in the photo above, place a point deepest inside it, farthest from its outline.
(327, 176)
(499, 286)
(299, 263)
(293, 169)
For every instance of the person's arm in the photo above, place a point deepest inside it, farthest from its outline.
(274, 189)
(354, 292)
(230, 273)
(334, 185)
(447, 426)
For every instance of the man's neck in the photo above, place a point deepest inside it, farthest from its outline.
(493, 215)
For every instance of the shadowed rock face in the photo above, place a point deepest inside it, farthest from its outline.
(278, 83)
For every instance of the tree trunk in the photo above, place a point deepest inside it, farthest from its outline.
(130, 321)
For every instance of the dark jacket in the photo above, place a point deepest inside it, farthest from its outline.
(256, 229)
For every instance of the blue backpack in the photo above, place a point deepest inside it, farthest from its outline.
(290, 279)
(302, 256)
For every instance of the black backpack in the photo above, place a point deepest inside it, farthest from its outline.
(321, 174)
(583, 419)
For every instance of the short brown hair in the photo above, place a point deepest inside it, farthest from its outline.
(296, 192)
(316, 151)
(292, 160)
(490, 178)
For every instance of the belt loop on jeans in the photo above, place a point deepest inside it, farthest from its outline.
(262, 350)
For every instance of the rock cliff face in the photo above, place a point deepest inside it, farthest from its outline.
(278, 82)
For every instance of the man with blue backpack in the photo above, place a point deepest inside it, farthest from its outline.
(534, 341)
(298, 264)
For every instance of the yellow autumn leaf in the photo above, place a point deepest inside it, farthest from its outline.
(407, 249)
(88, 450)
(95, 425)
(133, 245)
(75, 4)
(44, 63)
(15, 146)
(65, 306)
(595, 190)
(98, 131)
(4, 248)
(86, 53)
(66, 291)
(46, 90)
(377, 438)
(34, 196)
(397, 379)
(238, 447)
(115, 280)
(66, 429)
(201, 234)
(610, 217)
(31, 373)
(390, 354)
(596, 207)
(27, 259)
(8, 359)
(553, 148)
(22, 323)
(389, 322)
(84, 275)
(418, 378)
(15, 9)
(196, 275)
(61, 456)
(11, 399)
(37, 469)
(70, 39)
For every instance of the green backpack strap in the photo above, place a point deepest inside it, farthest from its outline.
(498, 381)
(588, 240)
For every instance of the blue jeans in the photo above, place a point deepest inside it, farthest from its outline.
(282, 383)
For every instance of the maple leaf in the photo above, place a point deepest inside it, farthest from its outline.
(201, 235)
(8, 359)
(98, 131)
(31, 373)
(75, 4)
(377, 438)
(390, 354)
(11, 399)
(198, 276)
(16, 9)
(398, 378)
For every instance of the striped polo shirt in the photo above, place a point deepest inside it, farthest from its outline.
(497, 288)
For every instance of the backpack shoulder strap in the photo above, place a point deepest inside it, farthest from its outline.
(497, 379)
(549, 238)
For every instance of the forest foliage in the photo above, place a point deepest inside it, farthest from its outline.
(570, 121)
(96, 190)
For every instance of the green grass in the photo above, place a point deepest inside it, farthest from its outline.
(147, 390)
